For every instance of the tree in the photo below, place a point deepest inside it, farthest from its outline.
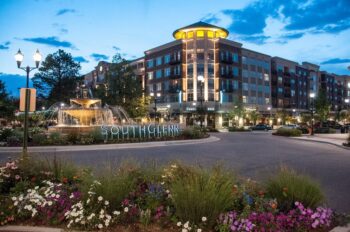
(322, 105)
(237, 112)
(254, 115)
(7, 106)
(282, 115)
(57, 77)
(123, 88)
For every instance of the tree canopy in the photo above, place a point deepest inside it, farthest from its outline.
(7, 104)
(322, 106)
(57, 77)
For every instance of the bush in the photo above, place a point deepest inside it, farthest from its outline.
(5, 133)
(13, 141)
(288, 132)
(193, 133)
(57, 138)
(97, 136)
(237, 129)
(73, 138)
(197, 193)
(40, 139)
(288, 187)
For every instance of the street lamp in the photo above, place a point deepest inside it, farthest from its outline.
(201, 80)
(155, 104)
(19, 58)
(270, 120)
(312, 96)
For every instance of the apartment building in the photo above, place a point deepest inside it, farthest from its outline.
(201, 70)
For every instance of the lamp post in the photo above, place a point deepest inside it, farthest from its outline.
(270, 120)
(155, 104)
(312, 96)
(201, 80)
(19, 58)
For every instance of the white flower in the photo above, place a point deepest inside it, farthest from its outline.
(106, 203)
(126, 209)
(100, 198)
(167, 191)
(204, 219)
(179, 224)
(184, 230)
(100, 226)
(49, 203)
(116, 212)
(199, 230)
(186, 224)
(88, 201)
(14, 198)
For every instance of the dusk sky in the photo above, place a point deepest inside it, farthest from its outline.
(317, 31)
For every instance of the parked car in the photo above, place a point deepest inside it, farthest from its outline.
(262, 127)
(290, 126)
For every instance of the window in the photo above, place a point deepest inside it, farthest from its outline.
(190, 35)
(267, 100)
(190, 97)
(245, 86)
(266, 77)
(200, 56)
(200, 69)
(244, 99)
(190, 69)
(200, 34)
(292, 93)
(280, 79)
(158, 73)
(235, 84)
(244, 60)
(150, 75)
(253, 87)
(210, 34)
(167, 72)
(235, 71)
(159, 86)
(167, 59)
(150, 63)
(159, 61)
(280, 90)
(177, 70)
(210, 70)
(235, 57)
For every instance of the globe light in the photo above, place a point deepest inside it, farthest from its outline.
(269, 108)
(312, 95)
(158, 94)
(151, 94)
(168, 106)
(19, 58)
(347, 101)
(37, 58)
(200, 78)
(294, 110)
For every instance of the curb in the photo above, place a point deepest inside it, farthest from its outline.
(115, 146)
(29, 229)
(318, 141)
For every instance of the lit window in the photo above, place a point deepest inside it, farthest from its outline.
(150, 75)
(266, 77)
(210, 34)
(244, 99)
(200, 34)
(190, 35)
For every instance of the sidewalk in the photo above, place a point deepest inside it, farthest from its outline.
(333, 139)
(114, 146)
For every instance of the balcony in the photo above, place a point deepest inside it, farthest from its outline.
(174, 61)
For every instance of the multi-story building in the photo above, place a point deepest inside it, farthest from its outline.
(204, 70)
(97, 76)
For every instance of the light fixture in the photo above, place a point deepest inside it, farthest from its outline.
(294, 110)
(19, 58)
(37, 58)
(312, 95)
(168, 106)
(158, 94)
(200, 78)
(269, 108)
(151, 94)
(347, 101)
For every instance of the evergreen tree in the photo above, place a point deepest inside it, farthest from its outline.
(57, 77)
(322, 105)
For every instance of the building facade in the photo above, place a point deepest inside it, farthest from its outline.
(202, 75)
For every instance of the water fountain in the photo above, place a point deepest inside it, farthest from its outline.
(85, 114)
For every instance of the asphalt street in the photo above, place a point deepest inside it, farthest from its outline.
(254, 155)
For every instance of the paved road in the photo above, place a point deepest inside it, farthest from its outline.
(254, 155)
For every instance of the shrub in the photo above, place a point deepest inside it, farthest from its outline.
(5, 133)
(288, 132)
(73, 137)
(57, 138)
(97, 136)
(238, 129)
(14, 141)
(193, 133)
(40, 139)
(288, 187)
(197, 193)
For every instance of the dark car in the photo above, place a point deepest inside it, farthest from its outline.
(263, 127)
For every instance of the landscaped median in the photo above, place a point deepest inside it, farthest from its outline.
(175, 197)
(288, 132)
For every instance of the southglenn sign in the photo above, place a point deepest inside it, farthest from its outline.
(122, 132)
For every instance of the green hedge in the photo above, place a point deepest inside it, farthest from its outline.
(288, 132)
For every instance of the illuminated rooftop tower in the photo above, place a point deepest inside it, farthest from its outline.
(199, 29)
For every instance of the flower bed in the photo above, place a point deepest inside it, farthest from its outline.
(289, 132)
(172, 198)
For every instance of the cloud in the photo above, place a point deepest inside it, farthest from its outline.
(336, 61)
(65, 11)
(51, 41)
(288, 20)
(98, 57)
(256, 39)
(5, 46)
(80, 59)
